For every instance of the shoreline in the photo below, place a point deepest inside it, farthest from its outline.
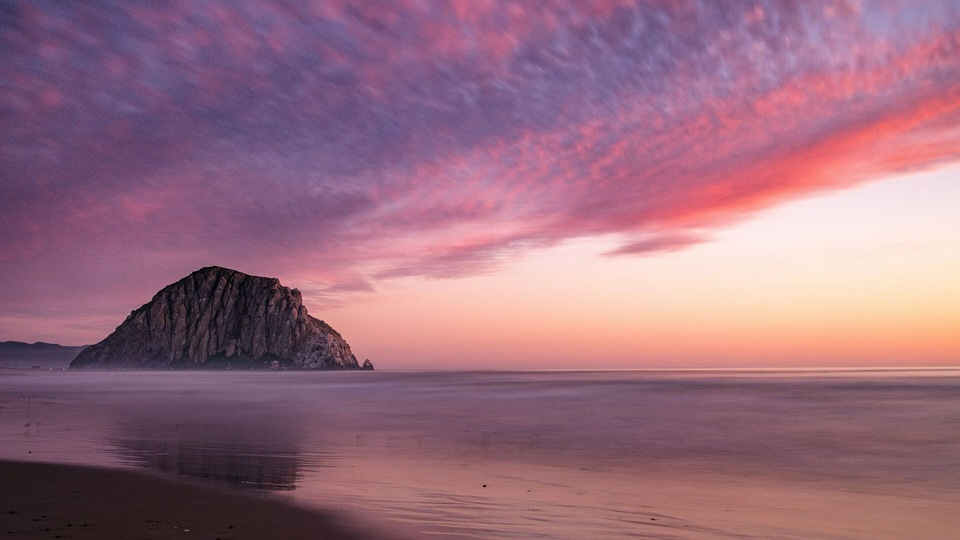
(41, 500)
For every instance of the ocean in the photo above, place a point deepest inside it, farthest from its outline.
(543, 454)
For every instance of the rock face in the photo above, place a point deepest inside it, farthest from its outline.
(221, 318)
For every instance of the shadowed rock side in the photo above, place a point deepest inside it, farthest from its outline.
(221, 318)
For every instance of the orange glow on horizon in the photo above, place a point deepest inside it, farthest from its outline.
(803, 285)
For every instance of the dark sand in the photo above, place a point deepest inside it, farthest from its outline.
(59, 501)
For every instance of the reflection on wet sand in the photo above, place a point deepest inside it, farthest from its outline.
(211, 452)
(255, 449)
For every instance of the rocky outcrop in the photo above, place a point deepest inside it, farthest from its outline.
(221, 318)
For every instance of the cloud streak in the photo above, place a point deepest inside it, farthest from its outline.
(344, 143)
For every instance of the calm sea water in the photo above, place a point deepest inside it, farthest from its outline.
(815, 454)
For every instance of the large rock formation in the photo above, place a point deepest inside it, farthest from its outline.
(221, 318)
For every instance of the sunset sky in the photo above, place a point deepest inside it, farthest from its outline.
(485, 184)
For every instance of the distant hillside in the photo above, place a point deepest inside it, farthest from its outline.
(16, 354)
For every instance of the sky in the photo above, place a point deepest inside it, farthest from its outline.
(487, 184)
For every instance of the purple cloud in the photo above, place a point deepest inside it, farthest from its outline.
(344, 143)
(659, 244)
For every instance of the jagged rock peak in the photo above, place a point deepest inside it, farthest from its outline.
(218, 317)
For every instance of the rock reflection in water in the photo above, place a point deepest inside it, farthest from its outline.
(257, 452)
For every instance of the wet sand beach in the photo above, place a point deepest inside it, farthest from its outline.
(486, 455)
(62, 501)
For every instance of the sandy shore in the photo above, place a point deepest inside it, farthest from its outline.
(60, 501)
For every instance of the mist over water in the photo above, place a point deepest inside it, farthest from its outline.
(532, 454)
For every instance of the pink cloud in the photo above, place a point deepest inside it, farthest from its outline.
(659, 244)
(347, 143)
